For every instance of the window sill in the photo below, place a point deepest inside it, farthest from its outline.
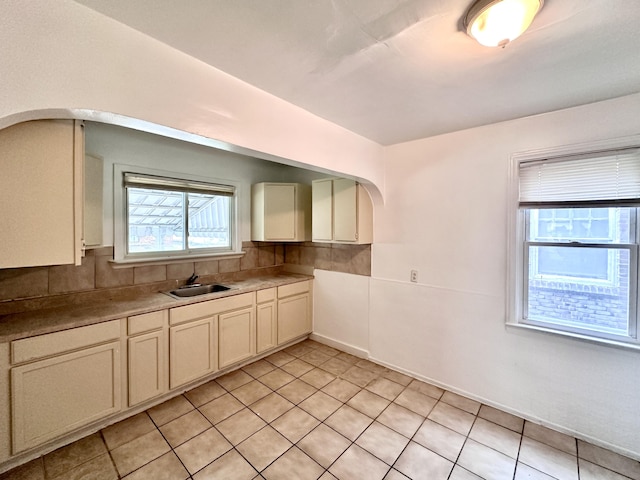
(143, 262)
(577, 336)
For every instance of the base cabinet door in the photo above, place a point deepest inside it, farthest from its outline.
(192, 351)
(57, 395)
(294, 319)
(266, 326)
(237, 336)
(147, 376)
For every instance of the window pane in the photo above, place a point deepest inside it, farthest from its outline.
(209, 220)
(154, 220)
(595, 225)
(573, 262)
(565, 287)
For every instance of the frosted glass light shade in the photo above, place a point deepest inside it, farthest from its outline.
(494, 23)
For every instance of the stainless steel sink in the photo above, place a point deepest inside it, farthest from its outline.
(195, 290)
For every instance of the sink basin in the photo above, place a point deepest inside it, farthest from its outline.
(195, 290)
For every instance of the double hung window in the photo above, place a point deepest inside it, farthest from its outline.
(578, 235)
(172, 217)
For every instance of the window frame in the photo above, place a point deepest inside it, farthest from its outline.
(610, 334)
(121, 253)
(518, 250)
(603, 243)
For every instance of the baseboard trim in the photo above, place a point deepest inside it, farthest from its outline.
(345, 347)
(580, 436)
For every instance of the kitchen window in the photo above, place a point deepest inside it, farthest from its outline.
(166, 217)
(576, 244)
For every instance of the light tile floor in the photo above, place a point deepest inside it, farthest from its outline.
(313, 412)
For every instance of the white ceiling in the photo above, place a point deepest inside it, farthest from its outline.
(397, 70)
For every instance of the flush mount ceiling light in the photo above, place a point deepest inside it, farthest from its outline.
(494, 23)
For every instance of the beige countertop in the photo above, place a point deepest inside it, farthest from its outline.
(38, 322)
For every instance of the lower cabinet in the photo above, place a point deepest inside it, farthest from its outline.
(294, 311)
(57, 395)
(266, 320)
(236, 336)
(147, 356)
(192, 351)
(146, 367)
(60, 382)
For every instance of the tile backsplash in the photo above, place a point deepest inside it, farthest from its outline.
(336, 257)
(97, 280)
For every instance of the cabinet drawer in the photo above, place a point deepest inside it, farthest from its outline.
(293, 289)
(59, 342)
(266, 295)
(146, 322)
(212, 307)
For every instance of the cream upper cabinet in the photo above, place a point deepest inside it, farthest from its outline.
(41, 192)
(93, 182)
(322, 210)
(342, 212)
(280, 212)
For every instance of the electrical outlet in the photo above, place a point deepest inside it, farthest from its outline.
(414, 276)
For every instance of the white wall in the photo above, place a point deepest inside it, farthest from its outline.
(63, 60)
(341, 311)
(446, 216)
(119, 145)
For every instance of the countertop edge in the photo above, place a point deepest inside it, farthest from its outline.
(39, 322)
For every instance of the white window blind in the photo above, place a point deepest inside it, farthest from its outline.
(604, 178)
(176, 185)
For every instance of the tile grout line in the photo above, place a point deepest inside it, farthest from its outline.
(108, 453)
(166, 440)
(462, 447)
(515, 470)
(377, 375)
(577, 458)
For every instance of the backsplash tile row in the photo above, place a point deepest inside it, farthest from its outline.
(355, 259)
(97, 279)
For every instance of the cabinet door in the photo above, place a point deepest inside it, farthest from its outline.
(345, 226)
(322, 210)
(267, 326)
(93, 180)
(237, 336)
(55, 396)
(192, 351)
(279, 212)
(294, 319)
(41, 193)
(147, 377)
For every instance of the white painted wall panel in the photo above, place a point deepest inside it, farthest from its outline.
(341, 308)
(445, 215)
(95, 64)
